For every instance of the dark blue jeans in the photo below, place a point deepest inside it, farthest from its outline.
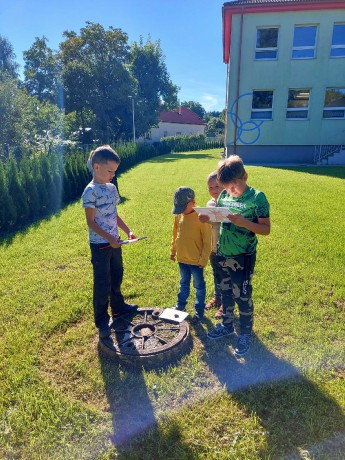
(107, 279)
(186, 272)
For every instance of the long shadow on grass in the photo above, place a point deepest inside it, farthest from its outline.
(292, 409)
(135, 428)
(129, 403)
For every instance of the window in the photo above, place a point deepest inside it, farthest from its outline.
(178, 133)
(262, 105)
(266, 43)
(298, 104)
(334, 103)
(165, 134)
(304, 41)
(338, 41)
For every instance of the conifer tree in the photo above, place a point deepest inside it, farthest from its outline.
(47, 177)
(40, 185)
(17, 191)
(8, 214)
(30, 188)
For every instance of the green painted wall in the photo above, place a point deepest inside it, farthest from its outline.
(284, 73)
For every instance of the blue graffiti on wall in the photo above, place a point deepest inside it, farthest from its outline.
(244, 127)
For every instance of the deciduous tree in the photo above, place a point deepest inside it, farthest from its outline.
(41, 72)
(154, 88)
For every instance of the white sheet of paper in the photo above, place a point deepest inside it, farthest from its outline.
(174, 315)
(216, 214)
(133, 240)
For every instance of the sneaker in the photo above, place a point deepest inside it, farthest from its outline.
(176, 307)
(105, 332)
(213, 303)
(108, 342)
(243, 344)
(221, 331)
(197, 318)
(126, 308)
(219, 313)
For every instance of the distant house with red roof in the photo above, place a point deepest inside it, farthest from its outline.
(179, 122)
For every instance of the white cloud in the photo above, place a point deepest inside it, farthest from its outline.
(210, 102)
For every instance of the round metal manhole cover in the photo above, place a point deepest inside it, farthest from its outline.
(143, 338)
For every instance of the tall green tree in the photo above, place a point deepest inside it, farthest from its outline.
(30, 187)
(41, 72)
(8, 214)
(8, 64)
(16, 190)
(154, 88)
(16, 114)
(96, 77)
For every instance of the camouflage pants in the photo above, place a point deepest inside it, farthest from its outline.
(236, 275)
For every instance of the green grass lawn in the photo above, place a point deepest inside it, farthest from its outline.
(61, 398)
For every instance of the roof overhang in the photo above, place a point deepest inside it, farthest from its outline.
(228, 10)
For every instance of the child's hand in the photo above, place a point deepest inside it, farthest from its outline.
(237, 219)
(173, 258)
(114, 242)
(131, 236)
(204, 218)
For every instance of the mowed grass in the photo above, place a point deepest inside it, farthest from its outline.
(61, 398)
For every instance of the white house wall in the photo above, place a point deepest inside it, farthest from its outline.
(175, 129)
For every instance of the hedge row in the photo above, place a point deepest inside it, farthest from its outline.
(189, 143)
(36, 184)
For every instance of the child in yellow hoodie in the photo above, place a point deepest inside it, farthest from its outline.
(191, 247)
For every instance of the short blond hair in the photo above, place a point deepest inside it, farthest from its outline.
(212, 176)
(230, 169)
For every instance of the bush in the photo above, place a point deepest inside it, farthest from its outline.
(41, 182)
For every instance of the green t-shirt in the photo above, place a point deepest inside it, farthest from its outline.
(234, 240)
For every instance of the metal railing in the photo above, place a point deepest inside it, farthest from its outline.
(323, 152)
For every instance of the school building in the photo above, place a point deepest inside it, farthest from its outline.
(285, 91)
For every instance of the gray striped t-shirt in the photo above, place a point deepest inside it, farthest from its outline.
(104, 198)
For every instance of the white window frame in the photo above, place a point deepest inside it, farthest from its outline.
(298, 109)
(335, 108)
(301, 48)
(267, 49)
(267, 110)
(336, 47)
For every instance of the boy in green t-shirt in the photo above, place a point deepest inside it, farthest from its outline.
(236, 250)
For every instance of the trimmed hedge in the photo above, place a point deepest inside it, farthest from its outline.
(34, 185)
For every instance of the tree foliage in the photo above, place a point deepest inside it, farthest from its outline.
(82, 91)
(8, 65)
(16, 114)
(96, 78)
(215, 126)
(195, 107)
(154, 88)
(41, 72)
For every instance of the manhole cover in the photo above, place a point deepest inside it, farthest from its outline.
(143, 338)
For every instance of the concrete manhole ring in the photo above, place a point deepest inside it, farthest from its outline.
(143, 338)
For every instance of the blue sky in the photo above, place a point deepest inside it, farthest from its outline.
(190, 32)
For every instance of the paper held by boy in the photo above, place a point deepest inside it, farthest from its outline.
(172, 314)
(121, 242)
(216, 214)
(134, 240)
